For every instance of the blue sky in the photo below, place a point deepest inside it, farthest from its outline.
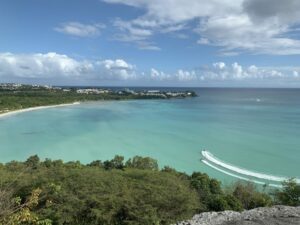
(156, 43)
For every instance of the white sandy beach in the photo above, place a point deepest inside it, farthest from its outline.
(10, 113)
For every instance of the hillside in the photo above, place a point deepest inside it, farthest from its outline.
(119, 192)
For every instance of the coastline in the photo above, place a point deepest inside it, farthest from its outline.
(14, 112)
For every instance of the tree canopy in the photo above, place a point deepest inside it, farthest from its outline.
(117, 192)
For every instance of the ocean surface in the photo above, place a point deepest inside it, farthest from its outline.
(256, 129)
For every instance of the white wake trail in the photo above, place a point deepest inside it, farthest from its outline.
(242, 178)
(210, 158)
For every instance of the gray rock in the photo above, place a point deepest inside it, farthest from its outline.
(276, 215)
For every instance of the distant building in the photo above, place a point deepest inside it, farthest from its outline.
(153, 91)
(130, 91)
(92, 91)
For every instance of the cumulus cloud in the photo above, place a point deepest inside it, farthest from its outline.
(118, 64)
(219, 65)
(221, 72)
(54, 66)
(116, 69)
(237, 72)
(41, 65)
(80, 29)
(255, 26)
(183, 75)
(159, 75)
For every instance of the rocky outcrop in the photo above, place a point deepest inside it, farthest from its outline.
(276, 215)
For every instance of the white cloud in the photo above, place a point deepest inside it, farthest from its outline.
(183, 75)
(237, 70)
(219, 65)
(80, 29)
(252, 69)
(255, 26)
(146, 45)
(41, 65)
(142, 29)
(149, 47)
(177, 11)
(54, 65)
(138, 35)
(131, 33)
(118, 64)
(203, 41)
(62, 67)
(158, 75)
(219, 71)
(116, 69)
(173, 28)
(240, 33)
(179, 76)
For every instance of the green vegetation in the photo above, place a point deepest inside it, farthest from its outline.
(118, 192)
(15, 211)
(25, 96)
(290, 195)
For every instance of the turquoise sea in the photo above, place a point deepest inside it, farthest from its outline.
(256, 129)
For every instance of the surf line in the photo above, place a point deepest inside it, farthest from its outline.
(208, 157)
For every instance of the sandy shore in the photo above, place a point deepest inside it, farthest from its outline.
(9, 113)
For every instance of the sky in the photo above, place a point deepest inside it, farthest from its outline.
(198, 43)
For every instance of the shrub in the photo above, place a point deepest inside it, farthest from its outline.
(289, 195)
(249, 197)
(139, 162)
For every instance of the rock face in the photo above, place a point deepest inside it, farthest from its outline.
(276, 215)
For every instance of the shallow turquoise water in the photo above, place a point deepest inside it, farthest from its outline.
(257, 129)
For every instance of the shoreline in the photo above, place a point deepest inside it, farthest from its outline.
(14, 112)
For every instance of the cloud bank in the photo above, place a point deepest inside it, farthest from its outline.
(53, 66)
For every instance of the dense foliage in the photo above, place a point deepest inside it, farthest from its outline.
(28, 96)
(117, 192)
